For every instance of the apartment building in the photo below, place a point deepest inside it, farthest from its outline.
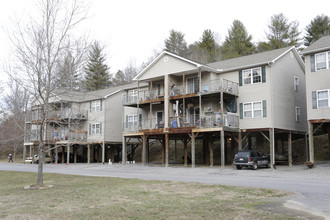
(80, 126)
(238, 103)
(317, 58)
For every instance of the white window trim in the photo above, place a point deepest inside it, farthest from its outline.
(327, 59)
(132, 120)
(296, 83)
(317, 98)
(252, 109)
(251, 77)
(96, 106)
(297, 110)
(95, 128)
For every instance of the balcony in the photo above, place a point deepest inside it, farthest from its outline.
(57, 115)
(210, 120)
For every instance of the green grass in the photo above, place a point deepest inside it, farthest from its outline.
(80, 197)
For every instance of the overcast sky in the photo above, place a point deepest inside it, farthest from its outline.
(132, 29)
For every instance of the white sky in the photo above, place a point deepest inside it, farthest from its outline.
(132, 29)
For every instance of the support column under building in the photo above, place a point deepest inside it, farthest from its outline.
(68, 154)
(222, 144)
(56, 155)
(124, 151)
(192, 150)
(166, 150)
(272, 147)
(24, 153)
(311, 141)
(144, 148)
(103, 152)
(211, 150)
(88, 153)
(290, 148)
(185, 152)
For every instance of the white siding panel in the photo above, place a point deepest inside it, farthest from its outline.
(285, 98)
(167, 65)
(316, 81)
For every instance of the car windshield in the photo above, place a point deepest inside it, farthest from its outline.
(243, 154)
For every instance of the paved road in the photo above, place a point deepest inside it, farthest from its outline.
(312, 187)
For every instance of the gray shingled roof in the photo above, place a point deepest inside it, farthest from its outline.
(318, 46)
(250, 60)
(74, 96)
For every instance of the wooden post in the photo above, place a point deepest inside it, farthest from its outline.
(24, 153)
(163, 151)
(56, 155)
(88, 153)
(192, 150)
(211, 150)
(74, 154)
(124, 151)
(222, 141)
(103, 152)
(272, 147)
(68, 154)
(239, 140)
(166, 150)
(63, 150)
(290, 148)
(185, 152)
(30, 150)
(175, 152)
(311, 141)
(144, 143)
(329, 136)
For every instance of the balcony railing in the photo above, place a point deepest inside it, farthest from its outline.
(210, 120)
(57, 136)
(58, 115)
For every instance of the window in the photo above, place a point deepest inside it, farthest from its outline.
(323, 98)
(96, 106)
(297, 113)
(296, 83)
(132, 95)
(252, 109)
(322, 61)
(132, 120)
(95, 128)
(252, 76)
(193, 85)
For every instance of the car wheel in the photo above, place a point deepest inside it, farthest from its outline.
(255, 166)
(238, 167)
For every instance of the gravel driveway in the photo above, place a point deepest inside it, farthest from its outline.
(311, 186)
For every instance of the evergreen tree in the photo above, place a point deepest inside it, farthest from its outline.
(282, 33)
(68, 74)
(319, 27)
(96, 71)
(176, 43)
(238, 42)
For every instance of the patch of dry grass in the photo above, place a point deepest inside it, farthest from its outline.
(80, 197)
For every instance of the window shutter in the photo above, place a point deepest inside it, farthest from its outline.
(263, 72)
(264, 108)
(241, 110)
(100, 128)
(314, 100)
(126, 121)
(140, 120)
(240, 77)
(312, 63)
(90, 129)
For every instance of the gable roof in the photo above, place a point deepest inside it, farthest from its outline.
(257, 59)
(198, 65)
(318, 46)
(75, 96)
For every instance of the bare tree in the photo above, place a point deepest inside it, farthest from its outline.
(41, 45)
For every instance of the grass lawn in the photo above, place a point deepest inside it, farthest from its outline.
(80, 197)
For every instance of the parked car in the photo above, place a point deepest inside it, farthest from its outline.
(251, 158)
(28, 160)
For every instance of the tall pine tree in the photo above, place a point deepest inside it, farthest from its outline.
(96, 71)
(176, 43)
(238, 42)
(319, 27)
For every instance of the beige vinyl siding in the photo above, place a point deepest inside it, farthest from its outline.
(317, 80)
(172, 65)
(93, 118)
(253, 93)
(113, 125)
(285, 98)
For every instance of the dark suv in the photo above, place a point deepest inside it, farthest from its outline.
(251, 158)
